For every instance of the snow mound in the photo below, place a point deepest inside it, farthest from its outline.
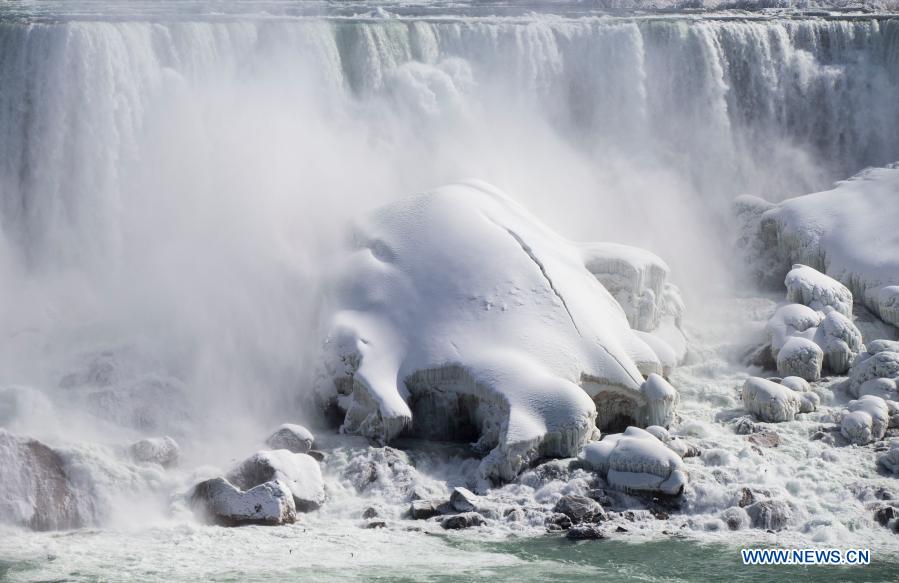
(775, 403)
(298, 471)
(459, 316)
(812, 288)
(636, 461)
(219, 502)
(848, 232)
(866, 420)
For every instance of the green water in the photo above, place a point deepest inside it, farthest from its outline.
(526, 559)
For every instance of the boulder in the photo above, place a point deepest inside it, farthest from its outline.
(579, 509)
(865, 420)
(220, 502)
(463, 500)
(586, 532)
(770, 514)
(424, 509)
(294, 438)
(298, 471)
(636, 461)
(463, 520)
(769, 401)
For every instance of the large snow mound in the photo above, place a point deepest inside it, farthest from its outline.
(848, 232)
(459, 315)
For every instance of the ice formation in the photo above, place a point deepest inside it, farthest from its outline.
(848, 233)
(291, 437)
(636, 461)
(865, 420)
(460, 316)
(218, 501)
(816, 334)
(875, 369)
(298, 471)
(890, 459)
(773, 402)
(158, 450)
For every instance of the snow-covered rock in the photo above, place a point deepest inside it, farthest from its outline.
(800, 357)
(879, 361)
(458, 315)
(298, 471)
(866, 420)
(839, 339)
(770, 514)
(291, 437)
(219, 502)
(35, 490)
(848, 232)
(769, 401)
(464, 500)
(463, 520)
(636, 461)
(816, 290)
(158, 450)
(579, 509)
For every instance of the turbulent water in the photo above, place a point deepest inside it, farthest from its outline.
(173, 177)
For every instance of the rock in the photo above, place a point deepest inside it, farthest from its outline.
(580, 509)
(158, 450)
(375, 524)
(514, 515)
(770, 514)
(558, 520)
(746, 497)
(369, 512)
(300, 472)
(463, 500)
(294, 438)
(736, 518)
(636, 461)
(620, 529)
(890, 460)
(219, 502)
(883, 515)
(318, 456)
(745, 426)
(585, 532)
(463, 520)
(810, 287)
(800, 357)
(424, 509)
(839, 340)
(765, 439)
(35, 490)
(769, 401)
(865, 420)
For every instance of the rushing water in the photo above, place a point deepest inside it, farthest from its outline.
(173, 176)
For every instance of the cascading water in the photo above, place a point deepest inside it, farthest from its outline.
(173, 178)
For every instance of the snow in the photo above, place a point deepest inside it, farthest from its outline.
(848, 232)
(459, 308)
(636, 461)
(298, 471)
(218, 501)
(769, 401)
(800, 357)
(291, 437)
(812, 288)
(866, 420)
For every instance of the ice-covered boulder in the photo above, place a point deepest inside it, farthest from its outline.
(636, 461)
(839, 339)
(459, 316)
(879, 361)
(298, 471)
(157, 450)
(800, 357)
(865, 420)
(220, 502)
(579, 509)
(769, 401)
(880, 387)
(810, 287)
(848, 232)
(770, 514)
(291, 437)
(35, 490)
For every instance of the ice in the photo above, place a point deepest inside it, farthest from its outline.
(298, 471)
(890, 460)
(458, 315)
(812, 288)
(769, 401)
(158, 450)
(882, 363)
(800, 357)
(866, 420)
(636, 461)
(839, 340)
(848, 233)
(218, 501)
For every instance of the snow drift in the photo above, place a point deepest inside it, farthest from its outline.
(460, 316)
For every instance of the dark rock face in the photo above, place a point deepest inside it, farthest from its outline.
(464, 500)
(375, 524)
(770, 514)
(557, 521)
(424, 509)
(463, 520)
(886, 516)
(369, 512)
(37, 493)
(580, 509)
(585, 532)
